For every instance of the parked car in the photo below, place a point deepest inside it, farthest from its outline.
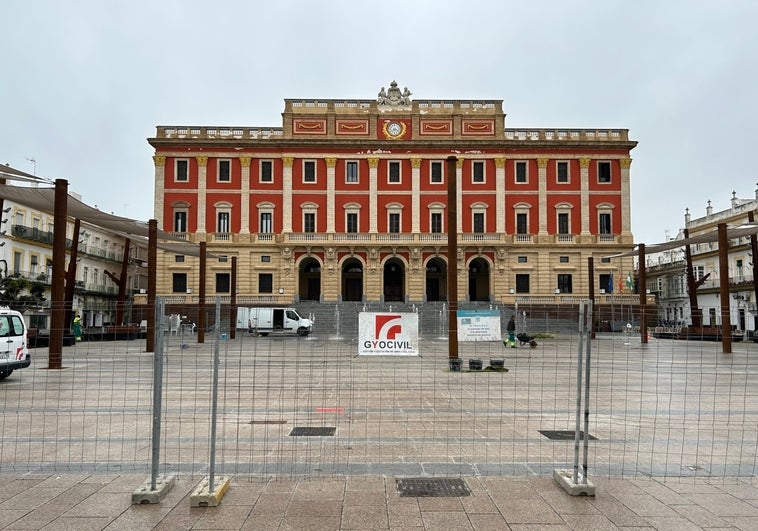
(14, 348)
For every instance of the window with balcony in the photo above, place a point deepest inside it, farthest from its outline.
(265, 283)
(522, 283)
(436, 222)
(604, 223)
(222, 222)
(223, 283)
(478, 222)
(309, 222)
(563, 223)
(180, 221)
(179, 282)
(351, 222)
(393, 222)
(565, 283)
(522, 223)
(266, 225)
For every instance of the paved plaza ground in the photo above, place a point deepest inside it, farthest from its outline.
(673, 426)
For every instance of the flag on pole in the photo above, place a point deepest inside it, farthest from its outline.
(629, 281)
(610, 283)
(621, 282)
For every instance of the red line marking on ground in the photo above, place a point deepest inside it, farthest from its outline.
(330, 410)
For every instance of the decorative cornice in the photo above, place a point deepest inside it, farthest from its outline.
(373, 162)
(584, 162)
(625, 163)
(287, 161)
(159, 160)
(202, 160)
(415, 162)
(245, 162)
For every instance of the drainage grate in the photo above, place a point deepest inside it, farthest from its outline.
(310, 431)
(567, 435)
(432, 487)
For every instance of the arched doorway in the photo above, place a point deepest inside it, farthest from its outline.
(394, 280)
(310, 280)
(478, 280)
(352, 280)
(436, 280)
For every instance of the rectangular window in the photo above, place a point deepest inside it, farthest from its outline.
(522, 283)
(606, 282)
(267, 171)
(436, 222)
(266, 226)
(222, 222)
(309, 171)
(603, 171)
(562, 171)
(605, 223)
(521, 223)
(351, 171)
(393, 172)
(352, 222)
(309, 222)
(477, 171)
(394, 222)
(479, 222)
(179, 258)
(223, 258)
(521, 171)
(563, 259)
(224, 171)
(435, 172)
(563, 223)
(564, 284)
(265, 283)
(180, 221)
(266, 258)
(223, 284)
(182, 170)
(522, 259)
(179, 282)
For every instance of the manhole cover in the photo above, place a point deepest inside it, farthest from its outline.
(308, 431)
(567, 435)
(432, 487)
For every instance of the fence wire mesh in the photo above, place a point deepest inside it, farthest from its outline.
(293, 406)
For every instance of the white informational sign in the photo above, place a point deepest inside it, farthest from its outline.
(479, 325)
(388, 334)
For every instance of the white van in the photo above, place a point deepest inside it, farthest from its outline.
(265, 321)
(14, 349)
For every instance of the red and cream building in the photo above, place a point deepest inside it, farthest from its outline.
(348, 199)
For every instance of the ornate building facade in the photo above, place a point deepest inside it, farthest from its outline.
(348, 201)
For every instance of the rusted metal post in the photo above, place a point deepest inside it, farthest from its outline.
(642, 287)
(233, 300)
(57, 287)
(726, 322)
(452, 257)
(201, 295)
(152, 282)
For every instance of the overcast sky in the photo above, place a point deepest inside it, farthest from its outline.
(84, 83)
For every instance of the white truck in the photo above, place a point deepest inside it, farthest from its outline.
(265, 321)
(14, 348)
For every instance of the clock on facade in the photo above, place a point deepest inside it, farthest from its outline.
(394, 129)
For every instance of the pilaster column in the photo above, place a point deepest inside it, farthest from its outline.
(459, 195)
(245, 196)
(626, 212)
(331, 163)
(160, 186)
(542, 187)
(373, 165)
(287, 194)
(500, 195)
(415, 195)
(202, 174)
(584, 180)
